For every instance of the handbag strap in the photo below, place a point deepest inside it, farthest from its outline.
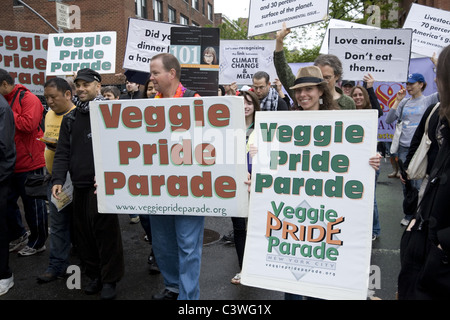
(429, 116)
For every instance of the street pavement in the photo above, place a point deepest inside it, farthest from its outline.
(219, 261)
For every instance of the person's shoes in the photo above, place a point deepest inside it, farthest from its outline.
(394, 174)
(236, 279)
(48, 277)
(6, 284)
(28, 251)
(165, 295)
(374, 237)
(93, 287)
(228, 238)
(108, 291)
(153, 269)
(20, 242)
(404, 222)
(135, 220)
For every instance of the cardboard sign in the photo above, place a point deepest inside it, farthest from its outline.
(144, 40)
(267, 16)
(171, 156)
(70, 52)
(311, 203)
(384, 53)
(431, 29)
(241, 59)
(24, 56)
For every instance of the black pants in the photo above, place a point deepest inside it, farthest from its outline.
(5, 272)
(98, 238)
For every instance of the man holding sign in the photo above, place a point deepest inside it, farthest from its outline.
(177, 239)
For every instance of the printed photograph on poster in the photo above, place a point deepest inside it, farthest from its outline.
(311, 204)
(384, 53)
(181, 156)
(431, 29)
(268, 16)
(197, 50)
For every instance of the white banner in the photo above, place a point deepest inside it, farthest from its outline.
(311, 204)
(184, 156)
(24, 56)
(339, 24)
(241, 59)
(144, 40)
(70, 52)
(384, 53)
(431, 29)
(267, 16)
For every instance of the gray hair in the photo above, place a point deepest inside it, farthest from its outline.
(332, 61)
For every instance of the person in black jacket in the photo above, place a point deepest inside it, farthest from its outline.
(7, 162)
(425, 244)
(97, 236)
(268, 97)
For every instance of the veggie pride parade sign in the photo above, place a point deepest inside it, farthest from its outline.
(311, 203)
(183, 156)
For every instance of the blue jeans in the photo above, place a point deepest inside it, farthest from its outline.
(402, 153)
(60, 236)
(177, 244)
(35, 210)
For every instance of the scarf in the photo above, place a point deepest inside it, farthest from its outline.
(83, 106)
(270, 102)
(178, 94)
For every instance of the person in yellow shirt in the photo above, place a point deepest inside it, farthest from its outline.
(58, 94)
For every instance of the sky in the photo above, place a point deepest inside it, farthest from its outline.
(233, 9)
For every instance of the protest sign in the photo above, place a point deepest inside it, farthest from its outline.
(241, 59)
(170, 156)
(311, 205)
(430, 29)
(197, 50)
(144, 40)
(384, 53)
(70, 52)
(339, 24)
(267, 16)
(24, 56)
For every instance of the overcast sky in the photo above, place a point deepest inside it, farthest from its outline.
(233, 9)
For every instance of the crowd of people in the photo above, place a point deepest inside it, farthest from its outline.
(63, 150)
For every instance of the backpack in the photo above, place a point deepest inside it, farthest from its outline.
(21, 93)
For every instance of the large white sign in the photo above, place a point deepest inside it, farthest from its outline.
(184, 156)
(70, 52)
(431, 29)
(335, 24)
(24, 56)
(267, 16)
(384, 53)
(145, 39)
(241, 59)
(311, 203)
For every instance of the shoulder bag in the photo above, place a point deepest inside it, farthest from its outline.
(418, 165)
(397, 134)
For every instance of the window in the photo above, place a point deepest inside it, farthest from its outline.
(195, 4)
(184, 20)
(210, 12)
(141, 8)
(172, 15)
(195, 24)
(158, 10)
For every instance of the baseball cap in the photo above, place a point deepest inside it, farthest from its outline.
(414, 77)
(88, 75)
(347, 83)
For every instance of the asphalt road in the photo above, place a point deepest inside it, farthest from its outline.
(219, 261)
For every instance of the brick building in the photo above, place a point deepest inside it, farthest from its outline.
(105, 15)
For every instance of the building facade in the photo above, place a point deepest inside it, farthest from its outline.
(104, 15)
